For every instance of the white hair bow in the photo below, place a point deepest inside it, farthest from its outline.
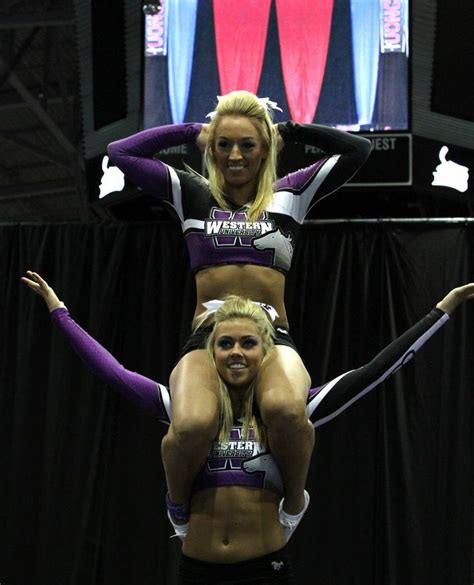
(215, 304)
(266, 102)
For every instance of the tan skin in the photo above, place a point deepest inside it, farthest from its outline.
(234, 523)
(239, 523)
(283, 380)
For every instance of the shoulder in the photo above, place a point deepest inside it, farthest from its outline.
(190, 179)
(300, 179)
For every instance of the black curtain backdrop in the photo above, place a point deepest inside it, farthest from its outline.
(82, 491)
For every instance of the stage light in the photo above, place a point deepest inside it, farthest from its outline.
(152, 8)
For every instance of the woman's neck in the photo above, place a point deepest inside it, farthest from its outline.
(241, 195)
(237, 399)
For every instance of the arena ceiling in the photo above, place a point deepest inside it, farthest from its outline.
(42, 168)
(41, 165)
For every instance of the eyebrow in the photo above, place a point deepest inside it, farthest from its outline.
(244, 337)
(240, 139)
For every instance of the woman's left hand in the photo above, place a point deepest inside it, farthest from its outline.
(280, 143)
(455, 297)
(42, 288)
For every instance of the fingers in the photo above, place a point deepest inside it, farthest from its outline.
(36, 277)
(35, 282)
(466, 291)
(455, 297)
(33, 285)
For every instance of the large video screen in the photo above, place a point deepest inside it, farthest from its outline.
(343, 63)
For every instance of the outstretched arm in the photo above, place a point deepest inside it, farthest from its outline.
(328, 401)
(148, 395)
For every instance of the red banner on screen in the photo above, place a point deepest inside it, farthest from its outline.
(241, 33)
(304, 28)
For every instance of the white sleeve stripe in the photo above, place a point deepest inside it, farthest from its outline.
(165, 399)
(296, 206)
(193, 224)
(318, 398)
(403, 359)
(177, 201)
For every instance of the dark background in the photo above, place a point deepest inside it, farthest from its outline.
(81, 496)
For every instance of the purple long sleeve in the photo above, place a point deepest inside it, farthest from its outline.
(150, 396)
(134, 155)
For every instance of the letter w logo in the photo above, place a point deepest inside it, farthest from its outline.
(231, 228)
(221, 221)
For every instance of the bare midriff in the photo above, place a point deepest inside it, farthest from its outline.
(232, 524)
(259, 283)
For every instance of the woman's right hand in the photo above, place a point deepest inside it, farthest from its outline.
(42, 288)
(455, 297)
(203, 138)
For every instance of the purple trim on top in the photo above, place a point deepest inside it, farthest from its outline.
(298, 180)
(208, 251)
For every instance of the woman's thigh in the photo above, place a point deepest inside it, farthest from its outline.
(283, 379)
(195, 391)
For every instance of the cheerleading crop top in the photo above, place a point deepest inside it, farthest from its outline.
(216, 236)
(243, 461)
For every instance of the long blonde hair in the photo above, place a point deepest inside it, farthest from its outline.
(244, 103)
(235, 307)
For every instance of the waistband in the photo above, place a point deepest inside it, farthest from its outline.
(274, 567)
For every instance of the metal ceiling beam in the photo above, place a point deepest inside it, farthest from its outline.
(36, 189)
(37, 19)
(19, 128)
(38, 151)
(19, 54)
(9, 100)
(41, 113)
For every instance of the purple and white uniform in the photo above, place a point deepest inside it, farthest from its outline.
(217, 236)
(245, 462)
(241, 462)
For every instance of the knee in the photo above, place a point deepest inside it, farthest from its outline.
(189, 431)
(174, 376)
(184, 440)
(281, 409)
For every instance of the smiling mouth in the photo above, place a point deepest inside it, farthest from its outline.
(238, 366)
(235, 167)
